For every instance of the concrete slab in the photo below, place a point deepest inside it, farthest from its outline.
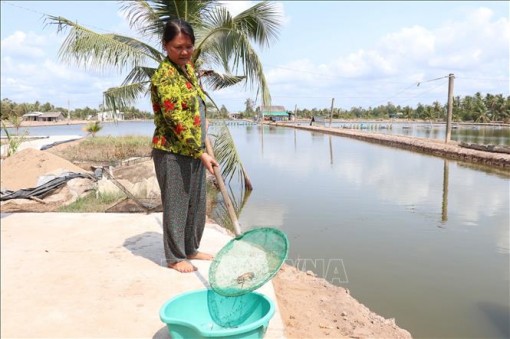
(97, 275)
(45, 141)
(40, 142)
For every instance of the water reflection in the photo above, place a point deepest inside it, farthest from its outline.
(330, 151)
(486, 134)
(444, 210)
(399, 221)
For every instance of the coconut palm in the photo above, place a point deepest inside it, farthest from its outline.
(93, 128)
(222, 40)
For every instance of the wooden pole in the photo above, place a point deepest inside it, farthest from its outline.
(221, 184)
(450, 109)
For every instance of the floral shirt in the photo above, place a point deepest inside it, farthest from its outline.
(175, 102)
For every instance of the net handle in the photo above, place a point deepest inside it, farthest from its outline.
(224, 193)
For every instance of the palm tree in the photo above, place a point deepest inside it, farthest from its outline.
(93, 127)
(222, 40)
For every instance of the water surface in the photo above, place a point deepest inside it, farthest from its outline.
(414, 237)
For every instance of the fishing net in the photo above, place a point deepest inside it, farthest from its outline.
(231, 312)
(248, 261)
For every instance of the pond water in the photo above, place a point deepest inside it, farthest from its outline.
(482, 134)
(414, 237)
(479, 134)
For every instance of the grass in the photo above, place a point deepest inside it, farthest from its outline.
(92, 203)
(107, 150)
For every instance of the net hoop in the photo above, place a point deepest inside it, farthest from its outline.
(248, 261)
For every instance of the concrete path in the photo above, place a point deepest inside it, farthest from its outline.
(39, 142)
(94, 275)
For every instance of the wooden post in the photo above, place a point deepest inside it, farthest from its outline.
(331, 112)
(450, 109)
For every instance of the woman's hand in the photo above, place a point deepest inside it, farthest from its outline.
(209, 162)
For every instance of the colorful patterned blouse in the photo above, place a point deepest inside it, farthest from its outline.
(175, 102)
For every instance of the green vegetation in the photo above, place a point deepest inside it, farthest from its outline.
(93, 127)
(477, 108)
(93, 202)
(11, 110)
(13, 141)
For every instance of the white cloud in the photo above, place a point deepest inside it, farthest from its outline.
(475, 45)
(236, 7)
(410, 43)
(24, 45)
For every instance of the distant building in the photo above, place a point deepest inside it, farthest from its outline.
(39, 116)
(51, 116)
(274, 113)
(32, 116)
(110, 116)
(237, 115)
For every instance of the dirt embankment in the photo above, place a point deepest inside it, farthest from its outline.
(313, 308)
(450, 150)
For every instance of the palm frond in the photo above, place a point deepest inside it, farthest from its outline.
(123, 96)
(139, 74)
(209, 43)
(89, 49)
(228, 42)
(215, 80)
(149, 17)
(226, 154)
(260, 22)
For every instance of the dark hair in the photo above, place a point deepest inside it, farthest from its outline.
(175, 26)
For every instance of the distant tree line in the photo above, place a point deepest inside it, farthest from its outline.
(11, 109)
(477, 108)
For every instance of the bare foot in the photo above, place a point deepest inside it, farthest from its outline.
(183, 267)
(201, 256)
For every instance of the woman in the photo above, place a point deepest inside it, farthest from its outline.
(178, 146)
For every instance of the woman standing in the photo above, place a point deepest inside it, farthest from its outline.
(178, 146)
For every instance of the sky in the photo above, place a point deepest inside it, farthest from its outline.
(351, 53)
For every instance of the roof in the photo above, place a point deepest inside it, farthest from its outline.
(43, 115)
(277, 111)
(51, 115)
(276, 114)
(272, 109)
(32, 114)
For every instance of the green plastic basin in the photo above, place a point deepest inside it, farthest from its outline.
(206, 314)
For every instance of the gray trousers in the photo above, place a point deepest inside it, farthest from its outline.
(183, 194)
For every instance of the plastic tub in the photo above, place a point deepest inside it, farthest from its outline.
(206, 314)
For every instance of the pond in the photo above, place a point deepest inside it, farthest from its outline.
(414, 237)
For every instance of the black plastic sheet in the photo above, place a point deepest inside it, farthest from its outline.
(42, 190)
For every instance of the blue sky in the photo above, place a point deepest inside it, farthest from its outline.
(361, 53)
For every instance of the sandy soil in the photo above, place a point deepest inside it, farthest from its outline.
(313, 308)
(310, 306)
